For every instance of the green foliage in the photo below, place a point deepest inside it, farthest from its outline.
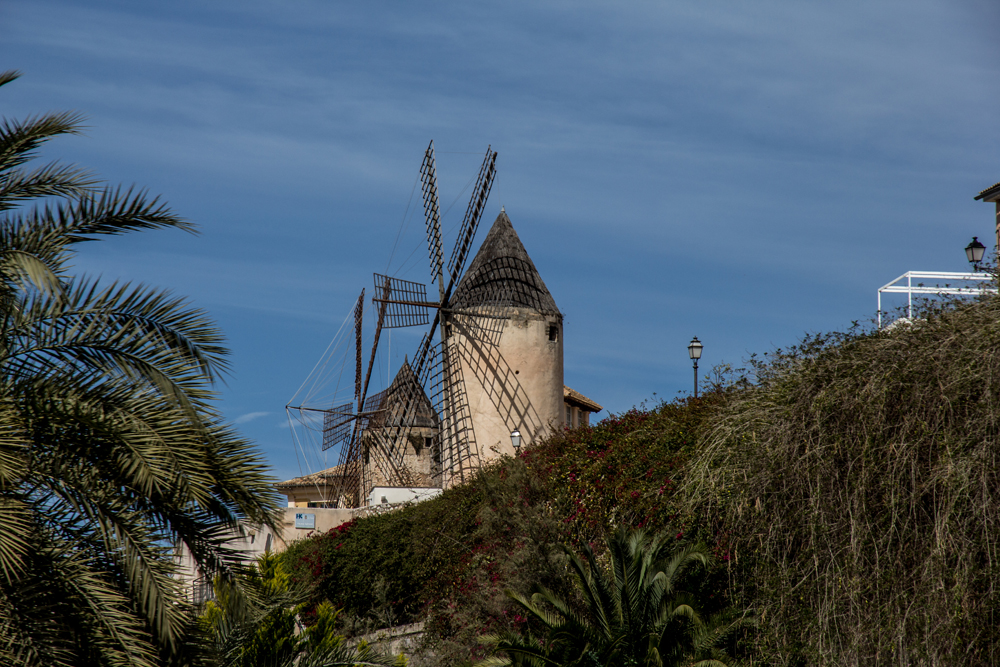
(858, 487)
(635, 612)
(111, 450)
(254, 622)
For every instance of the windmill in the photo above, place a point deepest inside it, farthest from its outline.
(427, 405)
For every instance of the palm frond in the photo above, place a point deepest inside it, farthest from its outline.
(116, 211)
(520, 651)
(50, 180)
(8, 75)
(634, 613)
(24, 269)
(20, 140)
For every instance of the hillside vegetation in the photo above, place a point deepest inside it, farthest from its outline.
(449, 560)
(859, 481)
(849, 494)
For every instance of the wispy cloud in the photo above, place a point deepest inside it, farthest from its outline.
(249, 417)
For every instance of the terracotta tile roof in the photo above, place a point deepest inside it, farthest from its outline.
(321, 478)
(576, 398)
(990, 193)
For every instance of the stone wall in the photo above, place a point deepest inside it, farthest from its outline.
(403, 639)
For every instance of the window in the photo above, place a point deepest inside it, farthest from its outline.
(569, 417)
(553, 332)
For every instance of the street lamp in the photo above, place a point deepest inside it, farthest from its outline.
(974, 251)
(694, 351)
(515, 439)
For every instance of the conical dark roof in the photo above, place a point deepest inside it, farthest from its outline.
(391, 403)
(502, 267)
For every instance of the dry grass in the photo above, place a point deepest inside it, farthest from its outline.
(857, 484)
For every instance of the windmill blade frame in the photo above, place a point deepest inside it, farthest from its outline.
(486, 322)
(405, 302)
(338, 422)
(359, 314)
(432, 215)
(470, 223)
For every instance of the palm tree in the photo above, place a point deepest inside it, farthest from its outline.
(111, 451)
(635, 615)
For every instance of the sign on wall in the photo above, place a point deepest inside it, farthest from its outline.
(305, 520)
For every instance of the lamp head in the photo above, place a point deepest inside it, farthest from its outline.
(975, 250)
(694, 348)
(515, 439)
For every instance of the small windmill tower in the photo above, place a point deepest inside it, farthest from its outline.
(517, 383)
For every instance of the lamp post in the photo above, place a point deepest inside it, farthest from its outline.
(974, 251)
(694, 351)
(515, 439)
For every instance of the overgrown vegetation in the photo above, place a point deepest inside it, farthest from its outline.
(858, 487)
(256, 620)
(849, 494)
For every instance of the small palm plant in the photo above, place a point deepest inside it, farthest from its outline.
(635, 614)
(254, 622)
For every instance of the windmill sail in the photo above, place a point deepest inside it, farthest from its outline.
(338, 422)
(432, 212)
(405, 302)
(470, 223)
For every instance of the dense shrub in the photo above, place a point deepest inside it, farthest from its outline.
(376, 569)
(625, 471)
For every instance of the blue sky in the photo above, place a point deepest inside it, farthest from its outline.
(743, 172)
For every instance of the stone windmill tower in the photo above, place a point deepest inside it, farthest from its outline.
(517, 383)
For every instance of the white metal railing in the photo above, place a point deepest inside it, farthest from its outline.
(957, 283)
